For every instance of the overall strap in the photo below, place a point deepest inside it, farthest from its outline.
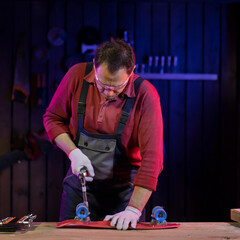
(82, 100)
(127, 107)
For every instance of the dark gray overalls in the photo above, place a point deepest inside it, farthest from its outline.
(112, 187)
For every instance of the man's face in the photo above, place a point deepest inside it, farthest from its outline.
(111, 84)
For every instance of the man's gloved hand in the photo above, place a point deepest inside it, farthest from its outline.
(122, 219)
(80, 160)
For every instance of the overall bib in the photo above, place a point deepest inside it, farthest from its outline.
(112, 187)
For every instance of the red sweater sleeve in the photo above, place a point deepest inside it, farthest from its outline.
(59, 112)
(150, 138)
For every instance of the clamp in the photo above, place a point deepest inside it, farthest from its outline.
(13, 224)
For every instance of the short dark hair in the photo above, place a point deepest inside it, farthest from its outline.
(116, 54)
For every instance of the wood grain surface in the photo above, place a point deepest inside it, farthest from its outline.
(48, 231)
(235, 215)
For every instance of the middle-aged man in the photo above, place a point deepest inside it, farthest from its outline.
(108, 120)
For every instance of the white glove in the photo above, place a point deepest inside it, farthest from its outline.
(80, 160)
(122, 219)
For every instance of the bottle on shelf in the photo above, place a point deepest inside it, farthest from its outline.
(174, 64)
(155, 68)
(149, 63)
(141, 68)
(162, 64)
(128, 37)
(169, 63)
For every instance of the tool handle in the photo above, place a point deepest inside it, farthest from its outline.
(83, 171)
(82, 175)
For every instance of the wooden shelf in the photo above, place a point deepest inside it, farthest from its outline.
(179, 76)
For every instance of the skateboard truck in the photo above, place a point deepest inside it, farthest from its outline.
(82, 210)
(158, 216)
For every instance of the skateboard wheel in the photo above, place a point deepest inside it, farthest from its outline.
(159, 214)
(81, 211)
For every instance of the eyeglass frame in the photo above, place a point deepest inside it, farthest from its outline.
(112, 88)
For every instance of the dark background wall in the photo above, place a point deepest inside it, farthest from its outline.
(201, 178)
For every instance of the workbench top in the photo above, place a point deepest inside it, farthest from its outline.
(187, 230)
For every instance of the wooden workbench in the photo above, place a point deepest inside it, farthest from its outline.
(196, 231)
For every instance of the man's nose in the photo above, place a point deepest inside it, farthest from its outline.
(109, 92)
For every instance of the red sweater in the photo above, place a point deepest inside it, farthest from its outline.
(142, 137)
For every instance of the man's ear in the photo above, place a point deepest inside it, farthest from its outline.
(131, 70)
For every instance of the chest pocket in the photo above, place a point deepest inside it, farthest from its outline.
(101, 154)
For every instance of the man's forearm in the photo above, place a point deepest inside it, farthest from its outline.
(140, 197)
(64, 142)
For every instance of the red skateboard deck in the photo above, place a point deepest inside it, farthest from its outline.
(106, 225)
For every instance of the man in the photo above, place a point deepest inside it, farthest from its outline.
(109, 120)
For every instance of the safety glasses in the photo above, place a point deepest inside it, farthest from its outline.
(116, 89)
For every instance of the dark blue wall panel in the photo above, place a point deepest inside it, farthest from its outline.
(200, 179)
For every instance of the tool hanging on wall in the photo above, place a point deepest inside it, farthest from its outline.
(35, 145)
(41, 90)
(38, 90)
(20, 91)
(40, 54)
(56, 36)
(125, 35)
(90, 38)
